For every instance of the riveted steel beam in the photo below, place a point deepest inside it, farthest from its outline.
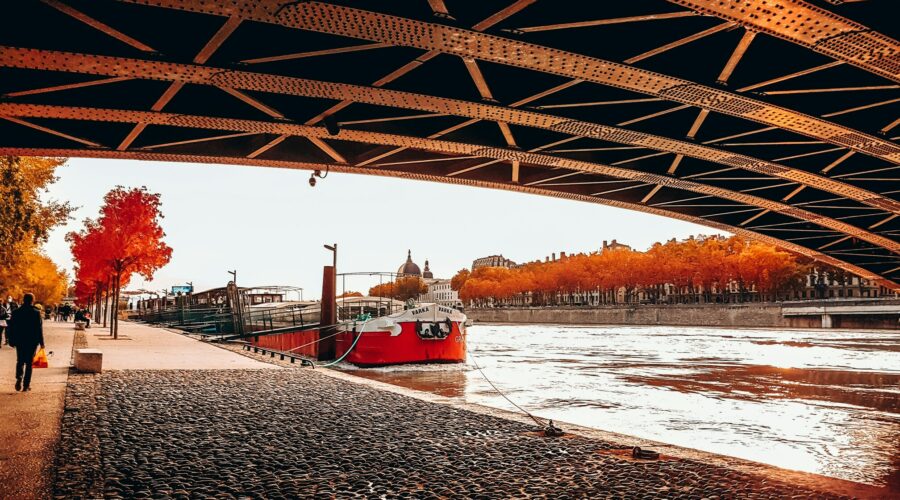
(213, 44)
(399, 31)
(340, 168)
(809, 26)
(678, 43)
(68, 86)
(315, 53)
(206, 75)
(48, 130)
(317, 134)
(97, 25)
(604, 22)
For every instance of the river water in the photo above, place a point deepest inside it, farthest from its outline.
(822, 401)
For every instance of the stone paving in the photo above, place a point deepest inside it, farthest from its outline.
(29, 421)
(298, 433)
(143, 347)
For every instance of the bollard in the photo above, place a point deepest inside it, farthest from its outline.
(88, 360)
(293, 359)
(282, 357)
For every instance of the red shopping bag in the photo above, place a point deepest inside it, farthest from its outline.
(40, 359)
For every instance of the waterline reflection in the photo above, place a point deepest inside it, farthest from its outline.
(813, 400)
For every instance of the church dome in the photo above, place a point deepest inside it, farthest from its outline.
(409, 268)
(427, 274)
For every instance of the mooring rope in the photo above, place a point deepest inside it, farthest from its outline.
(355, 341)
(320, 339)
(523, 410)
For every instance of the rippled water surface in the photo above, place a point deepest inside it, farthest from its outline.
(813, 400)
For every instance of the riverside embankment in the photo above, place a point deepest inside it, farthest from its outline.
(750, 315)
(298, 432)
(816, 400)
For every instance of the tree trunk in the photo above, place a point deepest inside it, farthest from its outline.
(98, 305)
(114, 318)
(106, 308)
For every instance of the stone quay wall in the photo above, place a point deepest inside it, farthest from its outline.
(754, 315)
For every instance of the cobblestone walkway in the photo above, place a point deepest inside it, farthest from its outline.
(298, 433)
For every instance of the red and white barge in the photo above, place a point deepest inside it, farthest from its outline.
(424, 333)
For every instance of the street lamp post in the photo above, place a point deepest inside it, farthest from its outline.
(237, 308)
(334, 250)
(190, 294)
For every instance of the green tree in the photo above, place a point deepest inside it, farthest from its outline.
(25, 222)
(26, 219)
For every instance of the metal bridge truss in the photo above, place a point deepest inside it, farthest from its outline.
(773, 119)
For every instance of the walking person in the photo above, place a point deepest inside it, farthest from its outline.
(27, 333)
(10, 306)
(4, 318)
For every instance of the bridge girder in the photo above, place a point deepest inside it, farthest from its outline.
(386, 172)
(433, 145)
(825, 188)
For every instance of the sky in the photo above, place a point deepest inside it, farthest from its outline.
(270, 225)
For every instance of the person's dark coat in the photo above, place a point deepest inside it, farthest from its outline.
(26, 329)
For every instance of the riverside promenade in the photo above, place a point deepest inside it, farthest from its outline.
(29, 422)
(195, 420)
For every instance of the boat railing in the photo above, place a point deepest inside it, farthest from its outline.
(216, 319)
(351, 307)
(259, 320)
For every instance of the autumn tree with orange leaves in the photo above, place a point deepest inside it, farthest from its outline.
(459, 279)
(26, 219)
(126, 239)
(403, 288)
(702, 269)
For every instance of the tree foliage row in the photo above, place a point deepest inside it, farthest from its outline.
(26, 220)
(709, 269)
(403, 288)
(126, 239)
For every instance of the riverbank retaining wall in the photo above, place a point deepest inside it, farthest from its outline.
(731, 315)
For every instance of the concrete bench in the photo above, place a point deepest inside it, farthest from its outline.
(89, 360)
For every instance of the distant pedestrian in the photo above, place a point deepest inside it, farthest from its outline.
(4, 318)
(27, 333)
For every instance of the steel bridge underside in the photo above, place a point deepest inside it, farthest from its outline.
(772, 119)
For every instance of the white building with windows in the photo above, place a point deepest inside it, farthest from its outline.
(439, 292)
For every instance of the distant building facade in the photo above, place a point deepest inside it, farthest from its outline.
(409, 268)
(437, 289)
(825, 286)
(614, 245)
(492, 261)
(439, 292)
